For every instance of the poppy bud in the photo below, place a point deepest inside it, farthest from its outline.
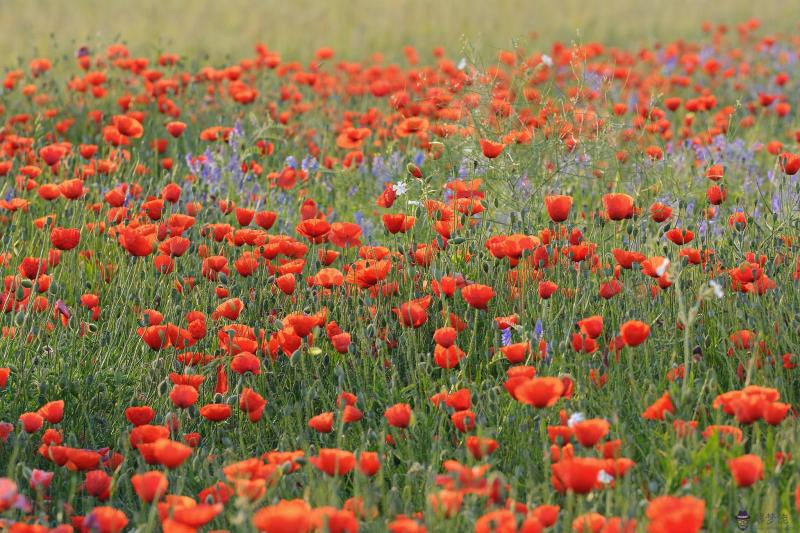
(415, 171)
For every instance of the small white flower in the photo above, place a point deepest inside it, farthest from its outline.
(462, 63)
(547, 60)
(414, 202)
(604, 477)
(400, 188)
(662, 267)
(575, 418)
(717, 288)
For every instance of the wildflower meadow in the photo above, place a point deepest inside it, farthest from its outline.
(552, 287)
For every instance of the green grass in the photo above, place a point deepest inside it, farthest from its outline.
(356, 28)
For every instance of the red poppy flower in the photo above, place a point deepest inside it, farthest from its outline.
(314, 229)
(334, 462)
(618, 206)
(175, 128)
(491, 149)
(539, 392)
(668, 514)
(368, 463)
(398, 415)
(447, 357)
(216, 412)
(464, 421)
(150, 486)
(183, 396)
(53, 411)
(31, 422)
(480, 447)
(322, 422)
(634, 332)
(746, 470)
(659, 408)
(108, 519)
(286, 515)
(590, 432)
(477, 295)
(579, 475)
(65, 238)
(140, 415)
(558, 207)
(411, 314)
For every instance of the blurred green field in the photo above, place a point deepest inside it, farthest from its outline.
(355, 28)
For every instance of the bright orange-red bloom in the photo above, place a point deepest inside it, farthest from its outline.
(283, 517)
(368, 463)
(660, 212)
(480, 447)
(589, 522)
(447, 357)
(175, 128)
(715, 172)
(746, 470)
(170, 453)
(618, 206)
(591, 326)
(659, 408)
(229, 309)
(680, 236)
(53, 411)
(334, 462)
(140, 415)
(65, 238)
(398, 415)
(558, 207)
(634, 332)
(539, 392)
(150, 486)
(590, 432)
(579, 475)
(517, 352)
(183, 396)
(31, 422)
(107, 519)
(668, 514)
(252, 403)
(491, 149)
(314, 229)
(322, 422)
(128, 126)
(464, 421)
(411, 314)
(216, 412)
(398, 223)
(723, 431)
(477, 295)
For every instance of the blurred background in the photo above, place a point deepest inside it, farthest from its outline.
(215, 30)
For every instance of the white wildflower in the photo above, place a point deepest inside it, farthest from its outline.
(400, 188)
(575, 418)
(462, 63)
(604, 477)
(547, 60)
(717, 288)
(662, 267)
